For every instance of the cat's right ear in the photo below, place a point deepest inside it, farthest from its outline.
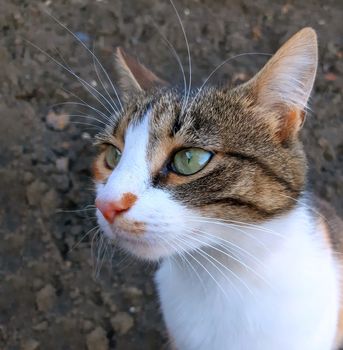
(284, 84)
(134, 76)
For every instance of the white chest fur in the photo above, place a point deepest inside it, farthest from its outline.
(290, 301)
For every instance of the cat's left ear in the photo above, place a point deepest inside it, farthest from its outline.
(134, 76)
(284, 84)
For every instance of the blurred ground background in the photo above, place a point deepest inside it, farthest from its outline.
(49, 297)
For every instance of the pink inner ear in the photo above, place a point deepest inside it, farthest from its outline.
(287, 78)
(290, 123)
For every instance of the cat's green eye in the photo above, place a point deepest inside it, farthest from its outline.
(190, 160)
(112, 156)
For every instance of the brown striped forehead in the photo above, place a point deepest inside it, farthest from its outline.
(215, 119)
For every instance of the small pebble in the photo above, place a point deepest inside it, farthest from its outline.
(108, 300)
(61, 182)
(122, 322)
(75, 293)
(62, 164)
(35, 191)
(97, 340)
(43, 326)
(46, 298)
(87, 325)
(57, 121)
(133, 292)
(49, 202)
(28, 177)
(30, 344)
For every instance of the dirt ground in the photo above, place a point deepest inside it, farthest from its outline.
(51, 296)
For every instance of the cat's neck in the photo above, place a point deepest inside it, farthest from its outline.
(260, 298)
(243, 254)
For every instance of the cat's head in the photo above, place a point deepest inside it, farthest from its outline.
(168, 165)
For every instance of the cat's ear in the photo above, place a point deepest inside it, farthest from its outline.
(284, 84)
(133, 75)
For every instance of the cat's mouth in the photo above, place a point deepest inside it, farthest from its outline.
(129, 236)
(140, 246)
(132, 228)
(129, 233)
(136, 237)
(122, 227)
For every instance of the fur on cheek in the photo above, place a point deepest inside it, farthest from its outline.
(99, 172)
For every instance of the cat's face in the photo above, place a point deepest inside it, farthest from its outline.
(168, 166)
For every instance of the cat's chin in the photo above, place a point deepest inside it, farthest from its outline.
(138, 247)
(143, 249)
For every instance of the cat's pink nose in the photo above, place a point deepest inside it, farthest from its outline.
(110, 209)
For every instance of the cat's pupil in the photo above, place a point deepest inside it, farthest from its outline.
(189, 156)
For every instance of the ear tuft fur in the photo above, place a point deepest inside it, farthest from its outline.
(289, 75)
(134, 76)
(284, 84)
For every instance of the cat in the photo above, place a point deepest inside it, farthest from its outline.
(211, 184)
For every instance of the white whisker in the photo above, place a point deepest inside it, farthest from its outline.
(87, 116)
(231, 257)
(92, 54)
(303, 203)
(103, 255)
(176, 56)
(218, 67)
(88, 207)
(231, 244)
(87, 86)
(180, 252)
(114, 106)
(206, 257)
(97, 128)
(98, 258)
(96, 237)
(85, 104)
(236, 228)
(209, 273)
(83, 237)
(234, 223)
(102, 83)
(189, 58)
